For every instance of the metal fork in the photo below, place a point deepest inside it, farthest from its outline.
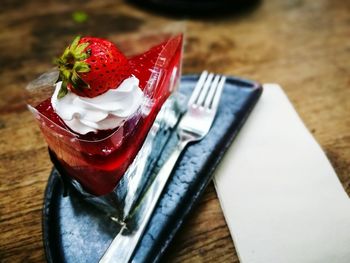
(193, 126)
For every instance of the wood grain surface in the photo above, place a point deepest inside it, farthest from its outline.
(301, 44)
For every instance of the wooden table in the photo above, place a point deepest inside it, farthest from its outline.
(303, 45)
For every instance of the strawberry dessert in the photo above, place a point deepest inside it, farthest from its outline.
(103, 107)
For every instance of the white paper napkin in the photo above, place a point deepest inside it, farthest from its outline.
(280, 196)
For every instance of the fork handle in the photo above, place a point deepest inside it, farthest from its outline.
(124, 244)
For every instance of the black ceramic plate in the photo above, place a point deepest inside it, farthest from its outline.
(74, 231)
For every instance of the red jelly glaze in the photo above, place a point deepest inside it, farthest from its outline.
(46, 109)
(97, 163)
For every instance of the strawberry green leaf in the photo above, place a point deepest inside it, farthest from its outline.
(57, 61)
(65, 74)
(63, 58)
(81, 56)
(63, 90)
(75, 43)
(80, 48)
(81, 67)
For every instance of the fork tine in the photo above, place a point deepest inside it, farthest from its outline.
(198, 87)
(218, 93)
(211, 92)
(205, 89)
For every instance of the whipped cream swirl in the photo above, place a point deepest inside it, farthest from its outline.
(106, 111)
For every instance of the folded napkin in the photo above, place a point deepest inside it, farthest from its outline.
(280, 196)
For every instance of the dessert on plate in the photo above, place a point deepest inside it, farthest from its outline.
(98, 114)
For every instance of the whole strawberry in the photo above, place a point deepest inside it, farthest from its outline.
(90, 66)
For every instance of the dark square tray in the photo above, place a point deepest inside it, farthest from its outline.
(74, 231)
